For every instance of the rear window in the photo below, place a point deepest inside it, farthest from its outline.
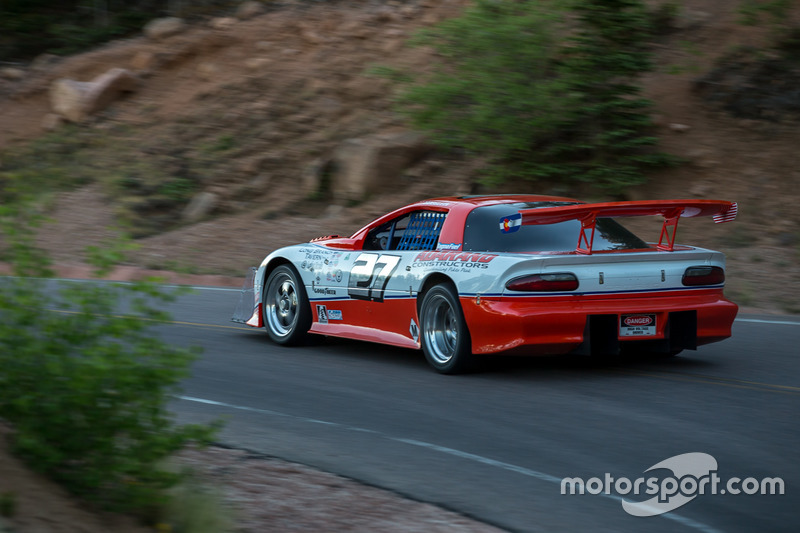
(484, 232)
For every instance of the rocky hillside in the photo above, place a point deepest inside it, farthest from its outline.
(276, 125)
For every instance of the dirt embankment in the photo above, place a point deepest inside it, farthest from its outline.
(281, 91)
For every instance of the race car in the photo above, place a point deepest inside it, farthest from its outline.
(463, 277)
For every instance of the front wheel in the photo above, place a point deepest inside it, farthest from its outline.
(445, 337)
(287, 315)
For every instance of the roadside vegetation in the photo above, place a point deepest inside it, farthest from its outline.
(85, 380)
(32, 27)
(149, 183)
(544, 90)
(539, 91)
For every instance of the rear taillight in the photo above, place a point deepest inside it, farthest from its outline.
(703, 275)
(561, 281)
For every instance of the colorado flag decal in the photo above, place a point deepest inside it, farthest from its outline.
(511, 223)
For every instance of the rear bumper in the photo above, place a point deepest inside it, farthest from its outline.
(590, 324)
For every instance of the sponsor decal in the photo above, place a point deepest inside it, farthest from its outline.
(511, 223)
(414, 330)
(672, 483)
(334, 276)
(322, 314)
(326, 291)
(334, 314)
(452, 246)
(453, 259)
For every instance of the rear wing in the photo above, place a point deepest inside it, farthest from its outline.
(671, 210)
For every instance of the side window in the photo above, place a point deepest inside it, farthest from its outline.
(418, 230)
(422, 231)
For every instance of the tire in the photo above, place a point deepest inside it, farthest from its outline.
(287, 314)
(444, 334)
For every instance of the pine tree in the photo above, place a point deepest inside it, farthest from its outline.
(543, 90)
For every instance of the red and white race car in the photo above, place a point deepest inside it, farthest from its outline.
(464, 276)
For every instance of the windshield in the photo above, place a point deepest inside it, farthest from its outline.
(484, 232)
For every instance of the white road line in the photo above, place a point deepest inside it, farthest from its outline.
(683, 520)
(758, 321)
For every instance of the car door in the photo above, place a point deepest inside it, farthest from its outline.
(381, 283)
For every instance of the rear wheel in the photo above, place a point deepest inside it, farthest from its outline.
(287, 315)
(445, 337)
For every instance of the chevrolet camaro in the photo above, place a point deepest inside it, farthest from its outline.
(462, 277)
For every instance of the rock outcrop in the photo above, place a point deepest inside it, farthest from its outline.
(77, 100)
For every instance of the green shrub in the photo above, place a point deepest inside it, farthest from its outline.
(544, 90)
(196, 506)
(86, 387)
(149, 193)
(8, 504)
(752, 12)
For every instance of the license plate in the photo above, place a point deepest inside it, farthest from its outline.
(638, 325)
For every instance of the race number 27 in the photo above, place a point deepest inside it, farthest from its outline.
(369, 275)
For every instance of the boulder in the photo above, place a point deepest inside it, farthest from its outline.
(249, 10)
(158, 29)
(679, 128)
(77, 100)
(313, 176)
(108, 87)
(11, 73)
(67, 98)
(206, 71)
(52, 121)
(374, 164)
(223, 23)
(202, 205)
(257, 63)
(44, 61)
(143, 61)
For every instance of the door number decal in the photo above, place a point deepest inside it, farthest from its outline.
(369, 275)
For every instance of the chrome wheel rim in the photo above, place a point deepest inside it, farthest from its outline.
(440, 329)
(281, 305)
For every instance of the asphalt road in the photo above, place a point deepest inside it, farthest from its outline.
(496, 445)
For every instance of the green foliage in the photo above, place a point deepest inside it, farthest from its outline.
(54, 161)
(543, 91)
(223, 143)
(387, 72)
(151, 190)
(196, 507)
(86, 387)
(31, 27)
(8, 504)
(755, 12)
(663, 16)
